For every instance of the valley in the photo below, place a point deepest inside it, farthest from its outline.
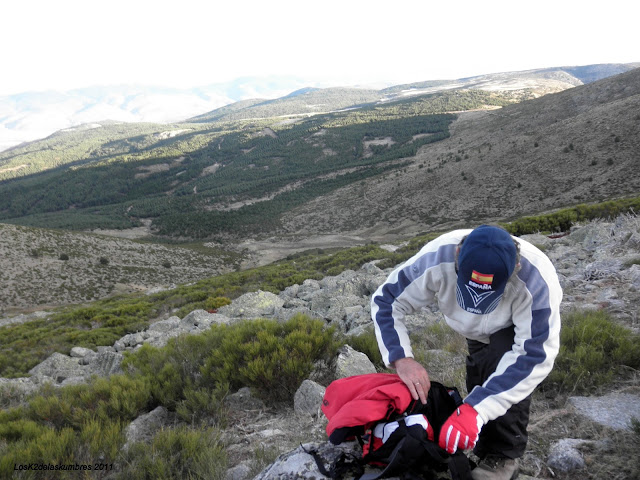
(164, 205)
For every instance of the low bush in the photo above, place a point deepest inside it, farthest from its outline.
(69, 426)
(181, 453)
(594, 351)
(270, 356)
(562, 220)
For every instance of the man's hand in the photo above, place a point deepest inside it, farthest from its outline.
(414, 376)
(460, 430)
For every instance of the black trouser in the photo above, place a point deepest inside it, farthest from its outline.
(506, 435)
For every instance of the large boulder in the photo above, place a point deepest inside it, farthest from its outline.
(308, 398)
(58, 367)
(252, 305)
(351, 362)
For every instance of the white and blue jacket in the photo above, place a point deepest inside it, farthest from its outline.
(530, 302)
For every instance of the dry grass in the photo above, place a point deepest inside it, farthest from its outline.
(33, 276)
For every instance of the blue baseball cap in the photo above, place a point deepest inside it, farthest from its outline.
(486, 260)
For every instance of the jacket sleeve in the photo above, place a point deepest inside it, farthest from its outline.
(536, 317)
(408, 288)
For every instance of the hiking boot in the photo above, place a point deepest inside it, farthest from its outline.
(494, 467)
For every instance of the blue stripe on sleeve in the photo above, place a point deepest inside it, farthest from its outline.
(391, 291)
(533, 347)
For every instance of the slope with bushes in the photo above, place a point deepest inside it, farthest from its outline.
(192, 374)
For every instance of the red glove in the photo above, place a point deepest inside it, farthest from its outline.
(461, 429)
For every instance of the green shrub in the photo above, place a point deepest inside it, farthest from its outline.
(71, 425)
(271, 357)
(209, 303)
(592, 350)
(562, 220)
(104, 399)
(204, 405)
(181, 453)
(45, 446)
(163, 369)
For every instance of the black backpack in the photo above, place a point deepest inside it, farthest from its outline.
(399, 444)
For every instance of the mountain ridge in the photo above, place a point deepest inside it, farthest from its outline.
(27, 116)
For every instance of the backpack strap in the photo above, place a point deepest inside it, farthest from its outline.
(393, 461)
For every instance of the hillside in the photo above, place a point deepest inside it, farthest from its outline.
(40, 268)
(576, 146)
(229, 181)
(216, 179)
(194, 393)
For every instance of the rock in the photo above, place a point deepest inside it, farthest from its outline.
(17, 389)
(253, 305)
(239, 472)
(243, 399)
(58, 367)
(347, 283)
(164, 326)
(371, 269)
(308, 398)
(614, 410)
(143, 428)
(298, 464)
(106, 363)
(79, 352)
(351, 362)
(334, 307)
(564, 457)
(202, 320)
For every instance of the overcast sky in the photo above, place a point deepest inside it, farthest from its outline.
(64, 44)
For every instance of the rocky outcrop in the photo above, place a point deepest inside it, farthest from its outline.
(615, 410)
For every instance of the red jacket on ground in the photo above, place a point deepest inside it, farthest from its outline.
(364, 399)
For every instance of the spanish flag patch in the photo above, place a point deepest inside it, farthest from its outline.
(482, 278)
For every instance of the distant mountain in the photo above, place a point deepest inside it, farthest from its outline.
(361, 162)
(29, 116)
(301, 102)
(526, 84)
